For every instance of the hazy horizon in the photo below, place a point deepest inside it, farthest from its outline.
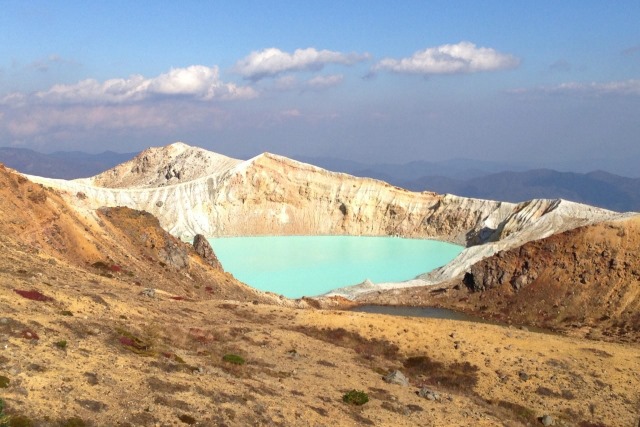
(551, 84)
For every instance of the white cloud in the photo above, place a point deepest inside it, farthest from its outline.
(273, 61)
(625, 88)
(196, 82)
(464, 57)
(320, 82)
(84, 120)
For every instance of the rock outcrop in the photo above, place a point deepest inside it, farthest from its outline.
(585, 281)
(588, 276)
(203, 248)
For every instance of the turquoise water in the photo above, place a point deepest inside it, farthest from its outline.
(295, 266)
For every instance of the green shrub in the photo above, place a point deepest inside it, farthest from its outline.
(355, 397)
(234, 358)
(4, 382)
(74, 422)
(4, 419)
(19, 421)
(61, 344)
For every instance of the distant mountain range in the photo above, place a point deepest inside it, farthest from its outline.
(598, 188)
(61, 164)
(462, 177)
(499, 181)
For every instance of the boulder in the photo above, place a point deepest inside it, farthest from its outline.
(396, 377)
(547, 420)
(174, 255)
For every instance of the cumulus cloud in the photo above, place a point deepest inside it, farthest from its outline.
(623, 88)
(272, 62)
(196, 82)
(321, 82)
(464, 57)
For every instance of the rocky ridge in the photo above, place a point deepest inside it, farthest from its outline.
(273, 195)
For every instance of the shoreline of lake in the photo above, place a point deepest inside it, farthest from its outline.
(297, 266)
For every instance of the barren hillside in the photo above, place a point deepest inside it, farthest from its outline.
(584, 281)
(108, 320)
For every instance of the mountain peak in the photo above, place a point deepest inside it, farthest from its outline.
(161, 166)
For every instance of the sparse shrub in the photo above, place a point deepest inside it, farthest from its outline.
(66, 313)
(74, 422)
(366, 348)
(101, 265)
(4, 383)
(4, 419)
(187, 419)
(544, 391)
(233, 358)
(133, 343)
(174, 357)
(33, 295)
(18, 421)
(522, 413)
(455, 376)
(355, 397)
(61, 344)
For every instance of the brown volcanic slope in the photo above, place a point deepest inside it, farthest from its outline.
(80, 341)
(585, 280)
(118, 243)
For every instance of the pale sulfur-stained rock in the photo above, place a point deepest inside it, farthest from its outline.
(193, 191)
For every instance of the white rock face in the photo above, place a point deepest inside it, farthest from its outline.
(161, 166)
(193, 191)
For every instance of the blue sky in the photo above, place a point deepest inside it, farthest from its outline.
(547, 83)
